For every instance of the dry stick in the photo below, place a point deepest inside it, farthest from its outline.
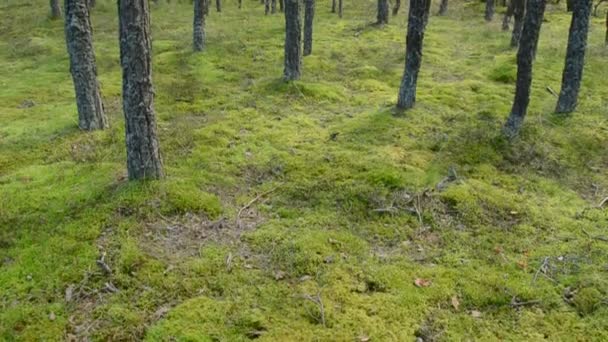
(604, 201)
(248, 205)
(516, 304)
(550, 90)
(317, 300)
(597, 237)
(543, 265)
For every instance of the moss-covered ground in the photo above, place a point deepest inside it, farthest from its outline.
(303, 211)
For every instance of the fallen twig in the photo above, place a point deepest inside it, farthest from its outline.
(604, 201)
(543, 268)
(517, 304)
(252, 202)
(552, 92)
(102, 264)
(317, 300)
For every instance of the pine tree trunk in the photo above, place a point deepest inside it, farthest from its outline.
(333, 6)
(519, 12)
(266, 7)
(575, 57)
(309, 15)
(340, 9)
(396, 7)
(382, 16)
(507, 18)
(489, 10)
(218, 5)
(55, 9)
(417, 20)
(83, 68)
(198, 38)
(443, 7)
(273, 6)
(143, 155)
(293, 41)
(528, 43)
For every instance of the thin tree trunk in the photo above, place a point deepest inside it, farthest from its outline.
(507, 18)
(309, 15)
(281, 5)
(83, 68)
(240, 4)
(569, 5)
(519, 12)
(575, 57)
(266, 7)
(535, 10)
(340, 9)
(606, 40)
(417, 20)
(396, 7)
(55, 9)
(143, 155)
(443, 7)
(333, 6)
(199, 25)
(293, 41)
(382, 16)
(218, 5)
(273, 6)
(489, 10)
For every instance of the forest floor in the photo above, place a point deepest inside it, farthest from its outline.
(303, 211)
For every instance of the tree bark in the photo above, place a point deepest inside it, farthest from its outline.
(281, 5)
(309, 15)
(55, 9)
(519, 11)
(333, 6)
(417, 20)
(92, 3)
(533, 21)
(396, 7)
(606, 40)
(507, 18)
(199, 36)
(443, 7)
(489, 10)
(266, 7)
(293, 41)
(569, 5)
(575, 57)
(83, 68)
(382, 16)
(273, 6)
(340, 9)
(218, 5)
(143, 155)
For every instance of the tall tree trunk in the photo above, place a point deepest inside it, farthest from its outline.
(340, 9)
(417, 19)
(533, 21)
(443, 7)
(83, 68)
(266, 7)
(281, 5)
(569, 5)
(606, 40)
(489, 10)
(396, 7)
(293, 41)
(273, 6)
(199, 25)
(55, 9)
(519, 12)
(333, 6)
(575, 57)
(240, 4)
(507, 18)
(382, 16)
(218, 5)
(143, 155)
(309, 15)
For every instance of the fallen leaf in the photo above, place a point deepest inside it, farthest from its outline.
(364, 338)
(475, 314)
(52, 316)
(455, 303)
(419, 282)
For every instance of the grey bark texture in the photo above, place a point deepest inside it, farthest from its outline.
(83, 68)
(507, 18)
(396, 7)
(417, 20)
(575, 57)
(309, 15)
(443, 7)
(198, 37)
(382, 15)
(535, 10)
(293, 41)
(489, 10)
(519, 12)
(143, 154)
(55, 9)
(266, 7)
